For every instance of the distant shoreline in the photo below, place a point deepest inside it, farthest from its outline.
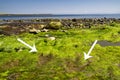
(53, 14)
(24, 14)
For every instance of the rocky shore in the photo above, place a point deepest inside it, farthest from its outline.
(10, 27)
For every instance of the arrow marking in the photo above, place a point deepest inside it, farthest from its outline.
(87, 56)
(33, 49)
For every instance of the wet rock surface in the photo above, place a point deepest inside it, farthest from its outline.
(9, 27)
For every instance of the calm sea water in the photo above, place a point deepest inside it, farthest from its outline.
(61, 16)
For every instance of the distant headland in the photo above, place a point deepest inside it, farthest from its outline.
(26, 14)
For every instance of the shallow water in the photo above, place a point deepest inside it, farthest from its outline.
(107, 43)
(60, 16)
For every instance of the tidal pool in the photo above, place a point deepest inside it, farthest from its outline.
(108, 43)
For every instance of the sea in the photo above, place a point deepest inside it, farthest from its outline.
(59, 16)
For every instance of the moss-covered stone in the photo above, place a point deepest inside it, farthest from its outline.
(54, 25)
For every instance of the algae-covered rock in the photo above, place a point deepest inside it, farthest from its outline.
(54, 25)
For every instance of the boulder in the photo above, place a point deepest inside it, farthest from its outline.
(54, 25)
(35, 31)
(44, 30)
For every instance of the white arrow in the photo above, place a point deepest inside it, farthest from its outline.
(33, 49)
(87, 56)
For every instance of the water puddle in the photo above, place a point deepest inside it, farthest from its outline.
(107, 43)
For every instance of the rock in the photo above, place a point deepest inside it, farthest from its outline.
(1, 27)
(4, 33)
(74, 20)
(44, 30)
(35, 31)
(52, 38)
(42, 26)
(54, 25)
(47, 35)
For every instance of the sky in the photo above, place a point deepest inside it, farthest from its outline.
(59, 6)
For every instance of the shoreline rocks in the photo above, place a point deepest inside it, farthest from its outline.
(9, 27)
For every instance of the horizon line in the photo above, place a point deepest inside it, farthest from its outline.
(52, 14)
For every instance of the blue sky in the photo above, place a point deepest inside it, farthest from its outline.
(59, 6)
